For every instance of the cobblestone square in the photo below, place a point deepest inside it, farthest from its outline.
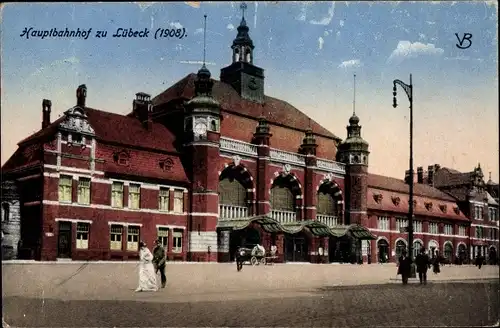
(95, 294)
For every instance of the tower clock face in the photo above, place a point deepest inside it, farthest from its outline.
(200, 128)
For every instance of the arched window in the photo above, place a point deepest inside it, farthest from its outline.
(231, 192)
(417, 245)
(282, 199)
(400, 247)
(6, 212)
(448, 251)
(326, 204)
(236, 55)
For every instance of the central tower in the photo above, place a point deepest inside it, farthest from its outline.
(246, 78)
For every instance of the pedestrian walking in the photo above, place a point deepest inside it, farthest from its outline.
(436, 263)
(160, 261)
(404, 268)
(240, 254)
(479, 261)
(423, 263)
(147, 277)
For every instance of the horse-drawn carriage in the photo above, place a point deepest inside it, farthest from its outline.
(256, 255)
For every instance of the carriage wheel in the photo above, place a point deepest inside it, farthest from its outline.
(254, 261)
(263, 261)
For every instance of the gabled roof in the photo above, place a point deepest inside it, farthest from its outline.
(23, 158)
(117, 128)
(393, 184)
(275, 110)
(446, 177)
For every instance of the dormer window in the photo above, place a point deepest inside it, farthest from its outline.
(443, 208)
(166, 164)
(122, 158)
(428, 206)
(396, 200)
(456, 210)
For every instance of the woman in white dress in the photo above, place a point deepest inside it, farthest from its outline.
(147, 276)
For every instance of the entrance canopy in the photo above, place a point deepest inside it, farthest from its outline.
(317, 228)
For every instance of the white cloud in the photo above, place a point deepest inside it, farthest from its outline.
(421, 36)
(320, 43)
(230, 26)
(338, 34)
(302, 16)
(198, 30)
(144, 5)
(326, 20)
(351, 63)
(461, 57)
(176, 25)
(341, 23)
(255, 15)
(58, 64)
(326, 33)
(406, 49)
(430, 22)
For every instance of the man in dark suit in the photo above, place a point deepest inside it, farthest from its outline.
(404, 268)
(423, 263)
(159, 261)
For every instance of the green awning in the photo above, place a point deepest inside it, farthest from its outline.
(267, 223)
(361, 232)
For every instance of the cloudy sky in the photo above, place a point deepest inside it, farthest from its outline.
(309, 50)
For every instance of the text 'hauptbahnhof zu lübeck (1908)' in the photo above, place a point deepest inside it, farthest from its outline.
(208, 166)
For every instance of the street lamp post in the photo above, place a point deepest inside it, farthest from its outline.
(409, 92)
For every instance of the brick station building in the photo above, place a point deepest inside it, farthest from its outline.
(207, 166)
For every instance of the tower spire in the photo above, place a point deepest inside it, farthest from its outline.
(204, 39)
(243, 7)
(354, 98)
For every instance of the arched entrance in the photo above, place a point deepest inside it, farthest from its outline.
(329, 204)
(433, 247)
(297, 247)
(401, 246)
(417, 245)
(284, 199)
(448, 251)
(462, 253)
(248, 237)
(383, 251)
(492, 256)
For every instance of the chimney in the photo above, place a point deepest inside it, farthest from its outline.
(142, 108)
(420, 174)
(46, 108)
(81, 95)
(407, 176)
(430, 175)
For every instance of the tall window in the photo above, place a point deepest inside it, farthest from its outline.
(177, 246)
(163, 201)
(84, 190)
(326, 204)
(448, 229)
(401, 224)
(134, 196)
(178, 201)
(82, 235)
(383, 223)
(132, 238)
(433, 228)
(478, 212)
(163, 237)
(417, 226)
(461, 231)
(65, 188)
(117, 194)
(282, 199)
(479, 232)
(6, 212)
(116, 237)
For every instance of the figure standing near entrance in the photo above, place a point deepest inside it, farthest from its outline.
(404, 268)
(436, 263)
(320, 254)
(423, 264)
(240, 253)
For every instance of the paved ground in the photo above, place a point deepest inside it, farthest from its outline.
(77, 295)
